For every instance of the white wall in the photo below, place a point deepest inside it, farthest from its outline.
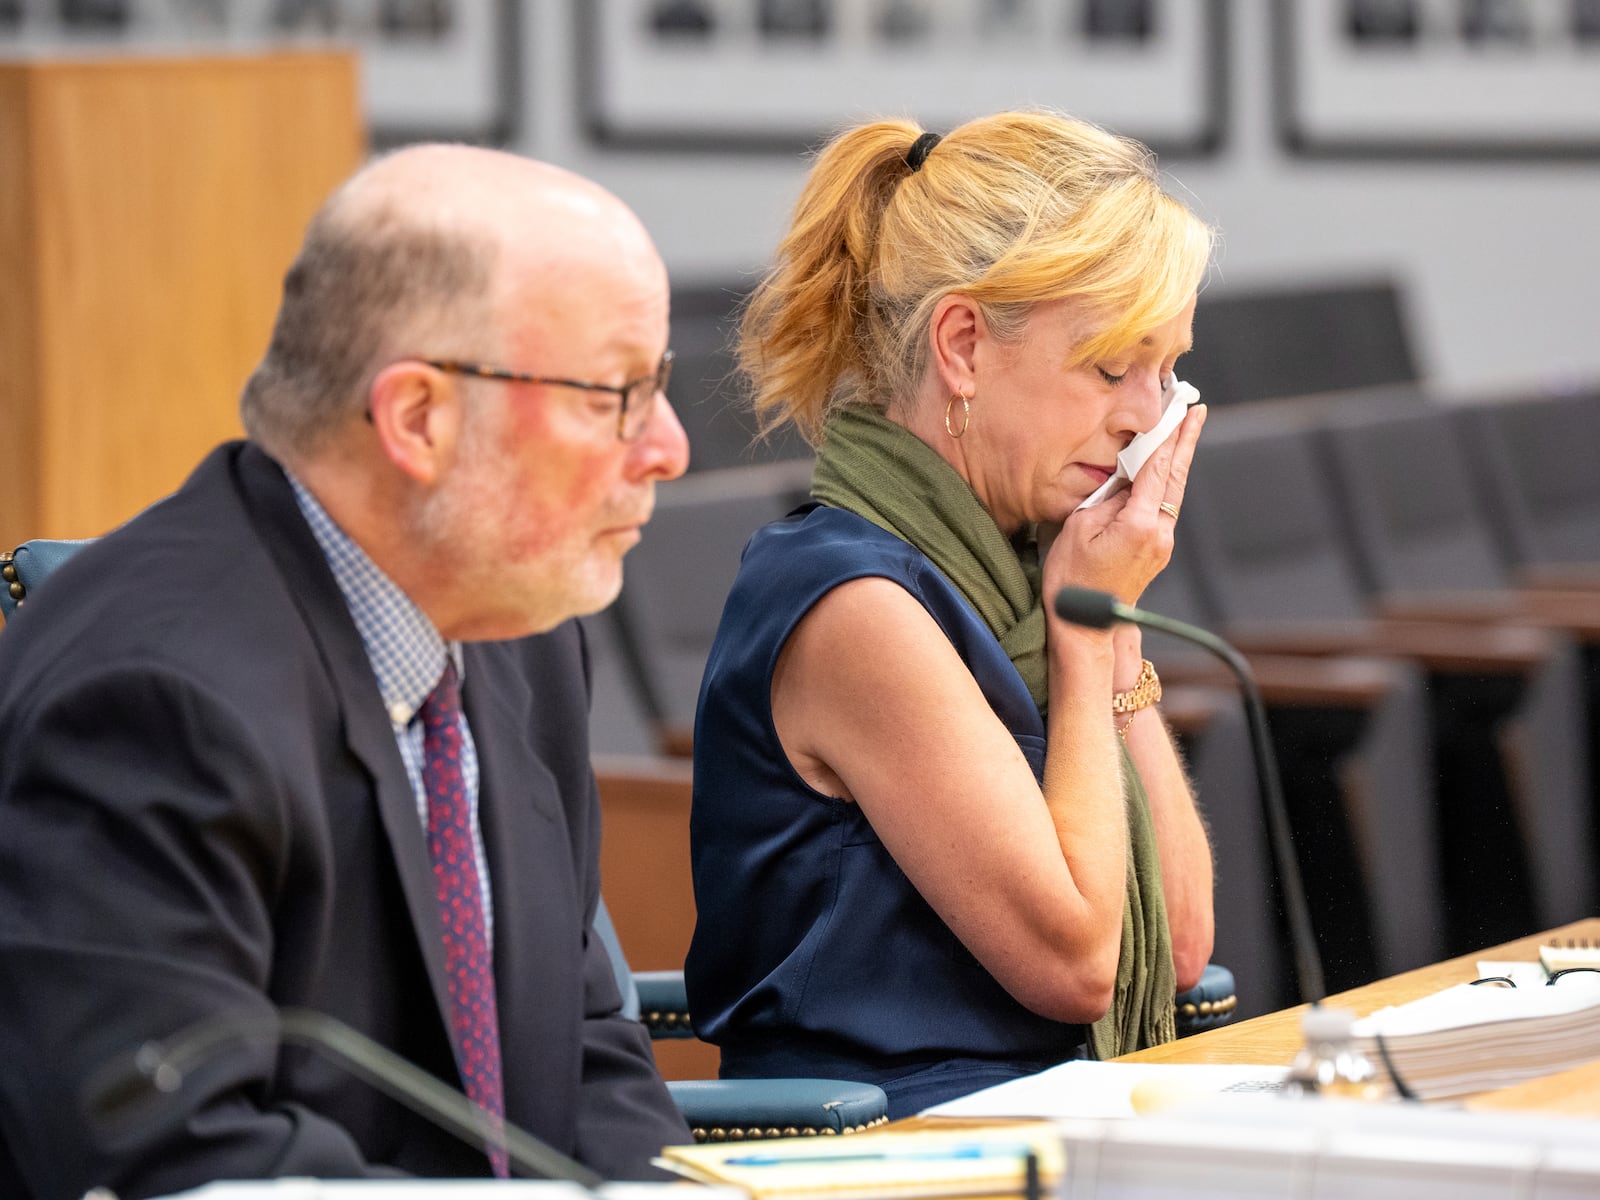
(1500, 261)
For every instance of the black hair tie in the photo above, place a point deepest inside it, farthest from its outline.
(918, 154)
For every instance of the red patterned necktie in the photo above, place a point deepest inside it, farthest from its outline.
(473, 1018)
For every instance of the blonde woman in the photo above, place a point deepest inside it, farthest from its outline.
(941, 838)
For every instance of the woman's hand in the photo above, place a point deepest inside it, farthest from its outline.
(1120, 545)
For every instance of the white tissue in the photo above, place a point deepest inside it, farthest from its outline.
(1177, 397)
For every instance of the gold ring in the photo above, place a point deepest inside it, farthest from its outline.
(1169, 508)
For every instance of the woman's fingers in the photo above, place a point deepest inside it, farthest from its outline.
(1123, 543)
(1129, 538)
(1177, 473)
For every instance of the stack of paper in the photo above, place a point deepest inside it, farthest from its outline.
(1257, 1147)
(1470, 1039)
(969, 1162)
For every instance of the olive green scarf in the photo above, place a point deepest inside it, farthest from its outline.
(879, 470)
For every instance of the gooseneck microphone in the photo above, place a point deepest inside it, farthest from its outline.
(1097, 610)
(140, 1081)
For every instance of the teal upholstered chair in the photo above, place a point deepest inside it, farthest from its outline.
(27, 565)
(737, 1109)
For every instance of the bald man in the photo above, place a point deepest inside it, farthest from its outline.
(311, 732)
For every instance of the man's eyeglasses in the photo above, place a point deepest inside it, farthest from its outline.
(636, 398)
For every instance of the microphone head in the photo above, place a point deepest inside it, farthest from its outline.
(1084, 606)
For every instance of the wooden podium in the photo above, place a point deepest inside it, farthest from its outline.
(148, 210)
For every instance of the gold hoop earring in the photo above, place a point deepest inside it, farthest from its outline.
(966, 414)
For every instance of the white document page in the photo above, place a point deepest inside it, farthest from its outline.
(1107, 1089)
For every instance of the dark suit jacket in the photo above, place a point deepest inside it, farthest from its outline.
(203, 812)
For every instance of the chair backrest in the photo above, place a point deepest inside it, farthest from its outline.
(1265, 535)
(1177, 592)
(22, 570)
(1412, 504)
(619, 723)
(706, 389)
(1297, 341)
(1539, 458)
(619, 961)
(677, 579)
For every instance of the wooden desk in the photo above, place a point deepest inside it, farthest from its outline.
(1275, 1037)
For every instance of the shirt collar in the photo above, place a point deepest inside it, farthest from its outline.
(406, 652)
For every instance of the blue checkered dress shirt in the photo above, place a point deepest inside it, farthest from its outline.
(407, 656)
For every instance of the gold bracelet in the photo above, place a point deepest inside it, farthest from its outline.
(1145, 691)
(1122, 730)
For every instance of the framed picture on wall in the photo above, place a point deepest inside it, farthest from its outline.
(781, 75)
(450, 70)
(1439, 78)
(429, 68)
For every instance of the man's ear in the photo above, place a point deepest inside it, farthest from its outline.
(954, 332)
(416, 410)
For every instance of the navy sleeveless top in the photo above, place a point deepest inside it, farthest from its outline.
(813, 954)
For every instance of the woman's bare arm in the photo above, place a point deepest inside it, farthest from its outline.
(873, 704)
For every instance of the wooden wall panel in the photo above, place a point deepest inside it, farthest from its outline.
(156, 206)
(19, 290)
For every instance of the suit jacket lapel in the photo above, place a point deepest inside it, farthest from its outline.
(370, 737)
(531, 879)
(368, 732)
